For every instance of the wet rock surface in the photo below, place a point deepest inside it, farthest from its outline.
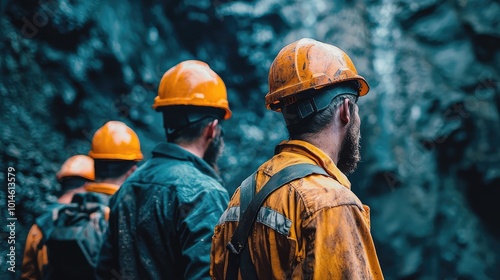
(430, 125)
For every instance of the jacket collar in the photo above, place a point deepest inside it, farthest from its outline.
(171, 150)
(104, 188)
(315, 154)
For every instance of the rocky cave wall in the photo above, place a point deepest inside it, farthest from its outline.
(430, 124)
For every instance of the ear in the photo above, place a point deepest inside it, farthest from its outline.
(211, 130)
(345, 114)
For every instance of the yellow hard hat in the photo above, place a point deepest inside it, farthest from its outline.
(77, 166)
(308, 64)
(116, 141)
(193, 83)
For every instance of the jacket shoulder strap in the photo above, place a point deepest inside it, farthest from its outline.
(239, 239)
(247, 192)
(244, 261)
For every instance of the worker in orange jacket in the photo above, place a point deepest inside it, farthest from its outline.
(308, 223)
(75, 172)
(114, 155)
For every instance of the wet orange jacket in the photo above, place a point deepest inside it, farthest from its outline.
(311, 228)
(36, 258)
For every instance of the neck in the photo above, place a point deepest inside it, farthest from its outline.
(118, 181)
(193, 148)
(326, 141)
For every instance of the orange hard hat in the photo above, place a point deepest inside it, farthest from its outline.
(308, 64)
(77, 166)
(116, 141)
(192, 83)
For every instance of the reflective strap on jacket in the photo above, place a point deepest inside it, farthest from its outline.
(266, 216)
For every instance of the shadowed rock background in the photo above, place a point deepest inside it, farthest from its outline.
(430, 124)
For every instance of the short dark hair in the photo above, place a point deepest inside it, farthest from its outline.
(111, 169)
(185, 123)
(319, 121)
(190, 132)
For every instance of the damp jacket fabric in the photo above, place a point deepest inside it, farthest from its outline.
(162, 219)
(311, 228)
(35, 258)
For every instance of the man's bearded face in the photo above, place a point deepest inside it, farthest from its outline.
(214, 151)
(349, 155)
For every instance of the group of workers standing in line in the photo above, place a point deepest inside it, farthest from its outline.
(295, 217)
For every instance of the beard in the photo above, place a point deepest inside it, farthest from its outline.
(349, 154)
(213, 152)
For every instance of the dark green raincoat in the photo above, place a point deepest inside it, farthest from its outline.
(162, 219)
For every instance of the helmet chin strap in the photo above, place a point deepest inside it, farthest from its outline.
(318, 101)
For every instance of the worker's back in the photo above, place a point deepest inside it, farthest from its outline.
(164, 214)
(301, 228)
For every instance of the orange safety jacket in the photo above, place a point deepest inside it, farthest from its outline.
(311, 228)
(35, 256)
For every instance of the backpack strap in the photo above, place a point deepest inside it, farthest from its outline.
(46, 223)
(239, 255)
(247, 193)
